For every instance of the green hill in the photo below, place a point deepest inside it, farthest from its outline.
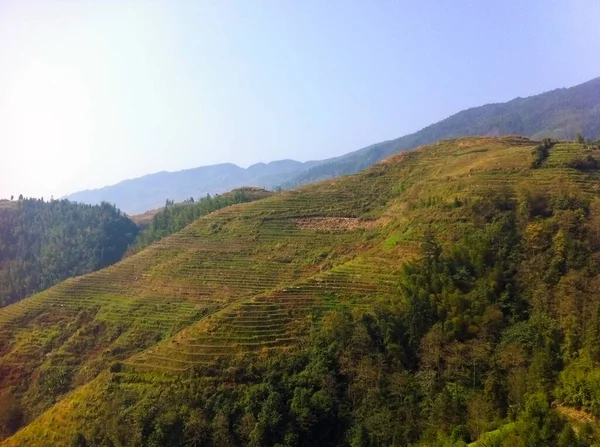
(441, 294)
(43, 243)
(175, 217)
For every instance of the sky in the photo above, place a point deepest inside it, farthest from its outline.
(95, 92)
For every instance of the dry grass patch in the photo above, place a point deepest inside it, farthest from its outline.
(339, 223)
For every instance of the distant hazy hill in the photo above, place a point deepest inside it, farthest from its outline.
(559, 114)
(151, 191)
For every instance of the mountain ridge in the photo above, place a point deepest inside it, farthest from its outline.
(489, 119)
(193, 182)
(558, 113)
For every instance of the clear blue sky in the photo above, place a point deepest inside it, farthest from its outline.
(94, 92)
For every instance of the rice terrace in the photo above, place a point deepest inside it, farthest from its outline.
(250, 280)
(299, 224)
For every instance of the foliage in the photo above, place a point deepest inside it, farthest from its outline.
(42, 243)
(352, 312)
(541, 153)
(175, 217)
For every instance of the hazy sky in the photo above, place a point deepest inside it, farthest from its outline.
(94, 92)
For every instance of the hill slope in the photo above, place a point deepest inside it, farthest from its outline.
(440, 294)
(43, 243)
(176, 217)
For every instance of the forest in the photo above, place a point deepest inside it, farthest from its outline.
(45, 242)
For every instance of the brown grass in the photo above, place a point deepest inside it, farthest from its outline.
(339, 223)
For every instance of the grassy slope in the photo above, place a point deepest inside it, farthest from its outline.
(144, 220)
(244, 279)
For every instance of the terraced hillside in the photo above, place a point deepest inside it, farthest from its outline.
(253, 282)
(224, 274)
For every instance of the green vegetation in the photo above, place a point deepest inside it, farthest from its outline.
(447, 296)
(541, 153)
(43, 243)
(175, 217)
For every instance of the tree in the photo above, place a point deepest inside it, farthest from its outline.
(11, 415)
(20, 197)
(196, 428)
(78, 440)
(539, 424)
(579, 138)
(12, 198)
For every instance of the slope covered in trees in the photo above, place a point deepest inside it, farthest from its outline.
(445, 296)
(43, 243)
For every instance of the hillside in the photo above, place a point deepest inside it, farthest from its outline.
(442, 294)
(189, 210)
(136, 196)
(43, 243)
(560, 113)
(175, 217)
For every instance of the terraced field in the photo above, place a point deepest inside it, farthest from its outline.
(237, 280)
(251, 278)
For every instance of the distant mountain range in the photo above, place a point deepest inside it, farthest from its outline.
(138, 195)
(560, 114)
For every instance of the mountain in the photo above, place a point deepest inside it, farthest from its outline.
(43, 243)
(445, 295)
(559, 114)
(139, 195)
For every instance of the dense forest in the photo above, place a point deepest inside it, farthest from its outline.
(175, 217)
(42, 243)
